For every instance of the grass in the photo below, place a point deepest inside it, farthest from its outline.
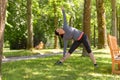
(75, 68)
(12, 53)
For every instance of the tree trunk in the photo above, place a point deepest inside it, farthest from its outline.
(94, 36)
(119, 28)
(55, 25)
(102, 36)
(86, 21)
(113, 21)
(2, 27)
(118, 23)
(29, 24)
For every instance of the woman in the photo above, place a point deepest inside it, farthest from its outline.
(68, 33)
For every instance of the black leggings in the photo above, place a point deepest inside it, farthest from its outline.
(83, 40)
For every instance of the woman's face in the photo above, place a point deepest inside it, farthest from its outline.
(60, 31)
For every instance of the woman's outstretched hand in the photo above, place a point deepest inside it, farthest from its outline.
(62, 8)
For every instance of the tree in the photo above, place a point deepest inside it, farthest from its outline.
(113, 21)
(102, 36)
(2, 27)
(86, 20)
(118, 23)
(55, 24)
(29, 24)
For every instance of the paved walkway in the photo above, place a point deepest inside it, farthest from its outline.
(11, 59)
(39, 55)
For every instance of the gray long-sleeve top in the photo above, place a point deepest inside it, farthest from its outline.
(70, 32)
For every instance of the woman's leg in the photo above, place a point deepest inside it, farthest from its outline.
(92, 57)
(88, 48)
(73, 47)
(65, 57)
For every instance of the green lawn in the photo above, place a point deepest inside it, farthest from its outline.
(75, 68)
(12, 53)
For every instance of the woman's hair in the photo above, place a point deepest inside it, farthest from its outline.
(56, 33)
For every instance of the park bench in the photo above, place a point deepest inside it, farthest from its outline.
(115, 54)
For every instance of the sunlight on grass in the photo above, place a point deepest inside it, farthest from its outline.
(104, 76)
(104, 53)
(95, 74)
(46, 51)
(102, 50)
(11, 53)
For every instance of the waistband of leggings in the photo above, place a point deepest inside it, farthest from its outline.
(80, 36)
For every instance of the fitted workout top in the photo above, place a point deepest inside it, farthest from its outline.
(70, 32)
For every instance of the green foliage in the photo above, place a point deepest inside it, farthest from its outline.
(43, 19)
(16, 27)
(15, 31)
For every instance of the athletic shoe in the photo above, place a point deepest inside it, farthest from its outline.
(95, 65)
(58, 63)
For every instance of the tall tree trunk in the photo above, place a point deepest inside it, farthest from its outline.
(55, 25)
(118, 23)
(29, 24)
(86, 21)
(113, 21)
(118, 29)
(102, 36)
(94, 36)
(2, 27)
